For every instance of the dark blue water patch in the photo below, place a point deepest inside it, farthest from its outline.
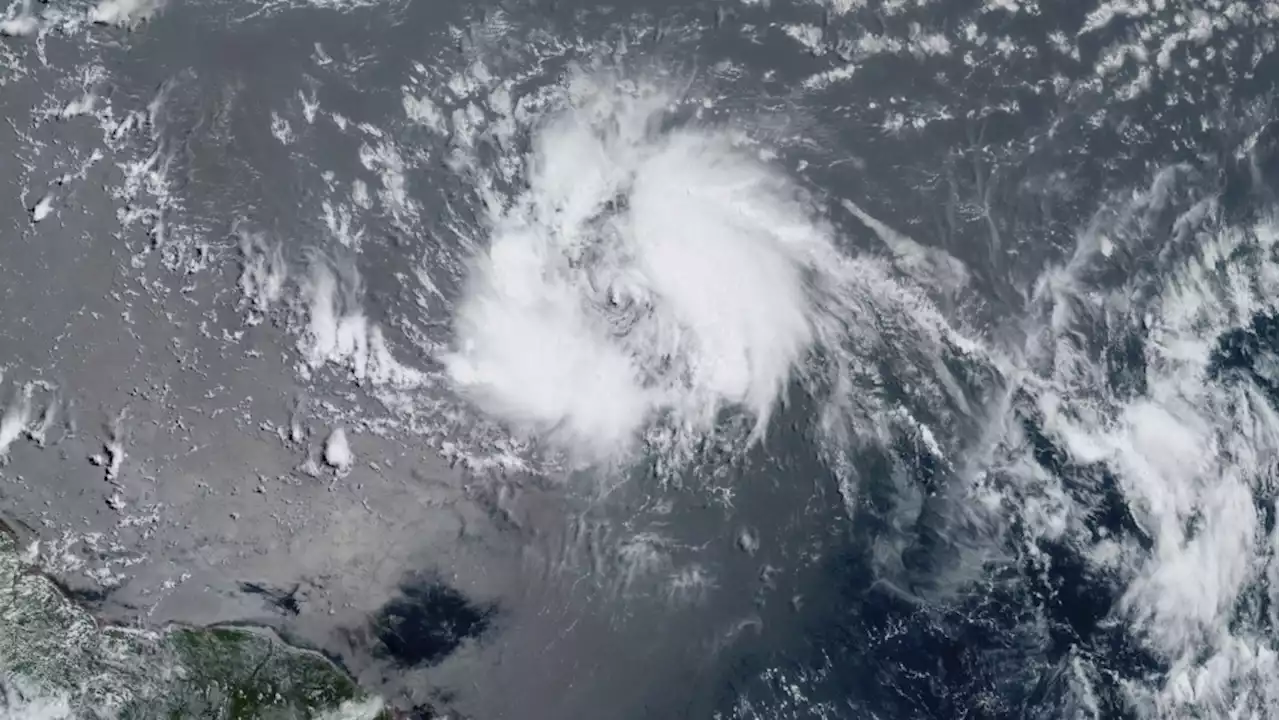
(869, 640)
(888, 656)
(928, 637)
(1126, 362)
(437, 708)
(1092, 486)
(427, 623)
(283, 601)
(1079, 601)
(1241, 354)
(991, 650)
(1079, 605)
(90, 598)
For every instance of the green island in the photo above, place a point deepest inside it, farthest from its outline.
(57, 662)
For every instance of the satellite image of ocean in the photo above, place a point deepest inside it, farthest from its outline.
(639, 359)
